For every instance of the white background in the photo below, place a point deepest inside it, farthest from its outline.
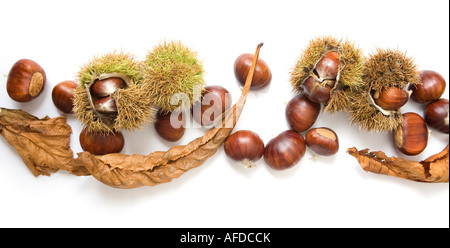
(326, 192)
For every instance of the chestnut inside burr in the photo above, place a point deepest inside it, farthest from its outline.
(101, 92)
(318, 86)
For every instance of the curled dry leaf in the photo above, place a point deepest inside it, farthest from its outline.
(434, 169)
(44, 146)
(43, 143)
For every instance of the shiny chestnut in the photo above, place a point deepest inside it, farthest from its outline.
(285, 150)
(411, 138)
(261, 77)
(391, 98)
(62, 96)
(105, 105)
(431, 88)
(26, 80)
(244, 146)
(215, 101)
(301, 113)
(436, 115)
(101, 144)
(322, 141)
(317, 91)
(328, 66)
(170, 126)
(107, 86)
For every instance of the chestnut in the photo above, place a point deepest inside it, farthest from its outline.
(301, 113)
(436, 115)
(170, 126)
(215, 101)
(322, 141)
(62, 96)
(107, 86)
(101, 144)
(431, 88)
(391, 98)
(261, 77)
(26, 80)
(317, 91)
(328, 66)
(105, 105)
(244, 146)
(285, 150)
(411, 138)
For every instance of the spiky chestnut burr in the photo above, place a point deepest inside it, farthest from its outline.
(385, 69)
(134, 107)
(328, 70)
(175, 75)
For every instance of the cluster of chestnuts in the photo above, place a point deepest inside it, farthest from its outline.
(411, 138)
(26, 80)
(288, 148)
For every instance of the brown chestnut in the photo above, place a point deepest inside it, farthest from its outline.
(411, 138)
(26, 80)
(328, 66)
(105, 105)
(285, 150)
(301, 113)
(107, 87)
(101, 144)
(261, 77)
(431, 88)
(170, 126)
(62, 96)
(215, 101)
(317, 91)
(322, 141)
(244, 146)
(391, 98)
(436, 115)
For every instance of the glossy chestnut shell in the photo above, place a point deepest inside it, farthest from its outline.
(285, 150)
(261, 77)
(26, 80)
(107, 86)
(62, 96)
(322, 141)
(101, 144)
(391, 98)
(244, 146)
(411, 138)
(431, 89)
(301, 113)
(105, 105)
(170, 126)
(215, 101)
(437, 115)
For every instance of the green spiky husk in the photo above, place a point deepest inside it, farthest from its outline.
(385, 68)
(351, 69)
(172, 68)
(134, 107)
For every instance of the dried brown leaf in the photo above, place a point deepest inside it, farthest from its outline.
(434, 169)
(43, 144)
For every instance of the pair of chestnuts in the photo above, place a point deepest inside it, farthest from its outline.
(214, 102)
